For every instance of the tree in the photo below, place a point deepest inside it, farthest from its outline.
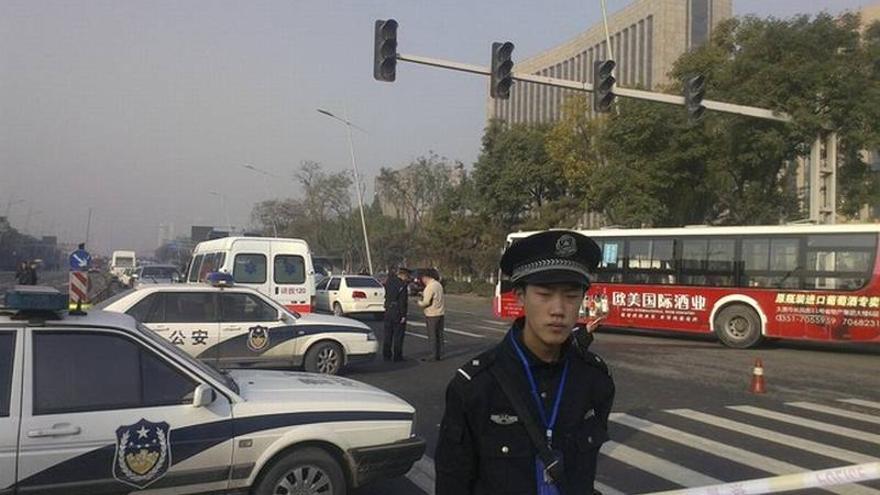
(514, 175)
(819, 70)
(417, 188)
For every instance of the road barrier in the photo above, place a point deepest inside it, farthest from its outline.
(812, 479)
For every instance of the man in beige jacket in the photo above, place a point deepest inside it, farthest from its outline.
(434, 304)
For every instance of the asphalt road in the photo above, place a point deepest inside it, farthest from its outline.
(683, 415)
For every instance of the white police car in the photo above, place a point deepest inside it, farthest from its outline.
(235, 326)
(96, 403)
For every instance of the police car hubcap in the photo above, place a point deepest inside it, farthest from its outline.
(328, 361)
(304, 480)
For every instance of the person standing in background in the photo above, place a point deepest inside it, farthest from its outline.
(433, 303)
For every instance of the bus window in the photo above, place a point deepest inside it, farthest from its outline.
(650, 261)
(611, 267)
(771, 262)
(838, 262)
(708, 262)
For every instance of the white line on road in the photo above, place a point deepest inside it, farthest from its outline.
(501, 331)
(772, 436)
(809, 423)
(450, 330)
(836, 412)
(735, 454)
(860, 402)
(422, 474)
(655, 465)
(497, 323)
(417, 335)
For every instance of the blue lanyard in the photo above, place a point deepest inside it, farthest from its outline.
(551, 423)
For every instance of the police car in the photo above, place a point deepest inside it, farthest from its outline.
(97, 403)
(234, 326)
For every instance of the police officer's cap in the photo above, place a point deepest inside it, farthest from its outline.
(551, 257)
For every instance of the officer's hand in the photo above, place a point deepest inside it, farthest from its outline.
(403, 320)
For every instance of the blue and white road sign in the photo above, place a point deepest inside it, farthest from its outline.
(80, 260)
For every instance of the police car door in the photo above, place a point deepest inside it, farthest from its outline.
(251, 331)
(10, 399)
(188, 320)
(104, 413)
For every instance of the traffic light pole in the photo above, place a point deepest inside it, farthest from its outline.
(718, 106)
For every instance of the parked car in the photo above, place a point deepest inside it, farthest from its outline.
(351, 294)
(98, 403)
(156, 274)
(235, 326)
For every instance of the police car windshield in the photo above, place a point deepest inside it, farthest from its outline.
(201, 365)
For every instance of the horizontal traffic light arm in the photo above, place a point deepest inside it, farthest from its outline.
(718, 106)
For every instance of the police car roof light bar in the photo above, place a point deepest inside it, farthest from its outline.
(35, 299)
(220, 279)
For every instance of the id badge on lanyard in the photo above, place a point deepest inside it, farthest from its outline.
(546, 485)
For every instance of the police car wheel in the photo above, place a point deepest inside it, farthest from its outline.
(307, 471)
(337, 309)
(738, 326)
(324, 357)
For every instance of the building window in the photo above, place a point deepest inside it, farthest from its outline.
(699, 22)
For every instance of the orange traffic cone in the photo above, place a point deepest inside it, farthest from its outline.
(757, 386)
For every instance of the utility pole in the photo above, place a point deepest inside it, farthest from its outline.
(88, 227)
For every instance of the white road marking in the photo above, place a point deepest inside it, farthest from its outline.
(809, 423)
(417, 335)
(836, 412)
(860, 402)
(772, 436)
(735, 454)
(450, 330)
(657, 466)
(497, 323)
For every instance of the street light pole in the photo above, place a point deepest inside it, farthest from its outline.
(266, 176)
(357, 181)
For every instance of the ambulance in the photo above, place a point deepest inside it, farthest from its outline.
(280, 268)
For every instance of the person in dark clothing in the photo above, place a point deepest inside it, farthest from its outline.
(396, 306)
(22, 275)
(32, 273)
(529, 416)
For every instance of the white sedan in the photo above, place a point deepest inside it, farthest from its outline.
(238, 326)
(350, 294)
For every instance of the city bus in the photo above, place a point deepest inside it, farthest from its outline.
(742, 284)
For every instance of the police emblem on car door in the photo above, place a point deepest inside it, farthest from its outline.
(143, 453)
(258, 338)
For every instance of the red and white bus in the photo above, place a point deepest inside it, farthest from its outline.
(744, 284)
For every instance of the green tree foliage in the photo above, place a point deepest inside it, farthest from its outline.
(514, 175)
(646, 165)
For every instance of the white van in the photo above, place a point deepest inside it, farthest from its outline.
(121, 261)
(281, 268)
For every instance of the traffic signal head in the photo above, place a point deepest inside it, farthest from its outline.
(603, 85)
(385, 50)
(694, 92)
(501, 77)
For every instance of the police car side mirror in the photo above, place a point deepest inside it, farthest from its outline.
(203, 396)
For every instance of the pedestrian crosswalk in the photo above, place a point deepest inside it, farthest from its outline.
(655, 450)
(668, 449)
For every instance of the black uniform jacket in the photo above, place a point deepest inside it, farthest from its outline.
(483, 447)
(396, 293)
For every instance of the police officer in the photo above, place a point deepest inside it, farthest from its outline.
(396, 307)
(528, 416)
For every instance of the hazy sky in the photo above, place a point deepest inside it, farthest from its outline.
(137, 109)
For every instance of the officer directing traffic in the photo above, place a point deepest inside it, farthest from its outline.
(528, 416)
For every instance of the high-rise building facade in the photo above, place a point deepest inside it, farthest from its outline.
(647, 37)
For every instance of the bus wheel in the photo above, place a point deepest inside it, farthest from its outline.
(738, 326)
